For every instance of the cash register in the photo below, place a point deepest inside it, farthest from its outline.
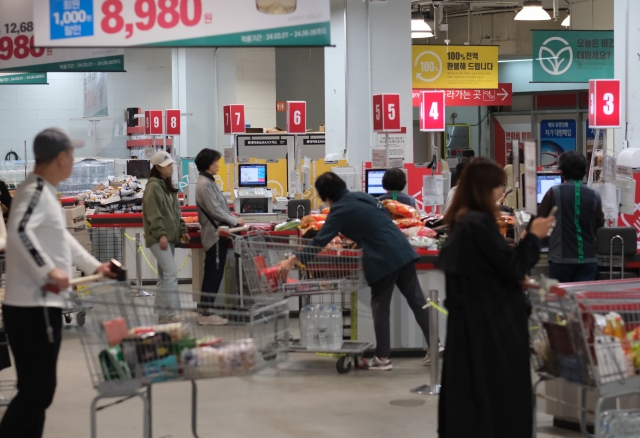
(252, 194)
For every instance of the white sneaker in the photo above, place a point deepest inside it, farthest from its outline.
(171, 319)
(427, 359)
(379, 364)
(212, 320)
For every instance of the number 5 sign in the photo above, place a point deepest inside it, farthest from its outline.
(432, 117)
(386, 112)
(234, 119)
(604, 103)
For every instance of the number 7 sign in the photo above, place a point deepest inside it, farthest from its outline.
(604, 103)
(432, 116)
(234, 119)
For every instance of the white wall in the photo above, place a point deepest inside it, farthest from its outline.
(256, 85)
(27, 109)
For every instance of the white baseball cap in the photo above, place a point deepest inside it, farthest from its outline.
(162, 159)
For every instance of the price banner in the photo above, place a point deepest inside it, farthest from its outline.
(455, 67)
(17, 51)
(386, 112)
(125, 23)
(172, 119)
(432, 116)
(22, 78)
(604, 103)
(234, 119)
(296, 117)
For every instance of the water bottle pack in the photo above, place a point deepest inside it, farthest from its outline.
(620, 424)
(321, 327)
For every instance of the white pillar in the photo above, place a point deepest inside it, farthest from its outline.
(627, 69)
(204, 79)
(375, 58)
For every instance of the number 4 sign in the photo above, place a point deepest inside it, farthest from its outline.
(604, 103)
(432, 117)
(386, 112)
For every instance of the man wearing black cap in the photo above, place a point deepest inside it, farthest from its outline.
(40, 250)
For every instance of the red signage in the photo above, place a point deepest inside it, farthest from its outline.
(432, 116)
(281, 106)
(604, 103)
(500, 97)
(147, 123)
(296, 117)
(172, 118)
(234, 119)
(155, 122)
(386, 112)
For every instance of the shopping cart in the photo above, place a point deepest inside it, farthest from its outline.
(588, 334)
(127, 350)
(331, 277)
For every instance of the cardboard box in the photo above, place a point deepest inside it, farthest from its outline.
(321, 128)
(75, 216)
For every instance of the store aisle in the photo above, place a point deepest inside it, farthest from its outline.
(304, 397)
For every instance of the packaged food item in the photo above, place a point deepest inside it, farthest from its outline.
(400, 209)
(312, 227)
(288, 226)
(113, 364)
(408, 223)
(270, 275)
(310, 218)
(115, 330)
(176, 330)
(419, 231)
(162, 369)
(325, 210)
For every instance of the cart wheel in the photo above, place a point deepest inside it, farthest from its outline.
(80, 319)
(343, 365)
(67, 319)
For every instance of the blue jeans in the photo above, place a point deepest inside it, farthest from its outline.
(167, 300)
(573, 272)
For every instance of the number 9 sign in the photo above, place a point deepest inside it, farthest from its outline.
(172, 118)
(432, 117)
(604, 103)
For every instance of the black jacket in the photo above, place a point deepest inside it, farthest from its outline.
(361, 218)
(486, 377)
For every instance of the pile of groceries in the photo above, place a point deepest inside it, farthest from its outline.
(170, 351)
(613, 345)
(407, 218)
(117, 195)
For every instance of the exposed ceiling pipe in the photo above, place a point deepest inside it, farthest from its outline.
(555, 10)
(437, 19)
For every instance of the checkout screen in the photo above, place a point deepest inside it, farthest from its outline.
(374, 182)
(545, 182)
(253, 175)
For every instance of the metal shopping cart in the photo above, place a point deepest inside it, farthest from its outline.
(576, 337)
(127, 351)
(332, 276)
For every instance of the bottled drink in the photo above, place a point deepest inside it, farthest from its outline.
(336, 328)
(311, 318)
(620, 424)
(322, 328)
(305, 316)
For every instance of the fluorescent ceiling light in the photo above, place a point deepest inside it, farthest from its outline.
(419, 25)
(532, 11)
(421, 34)
(525, 60)
(567, 21)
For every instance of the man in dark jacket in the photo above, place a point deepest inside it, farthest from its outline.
(572, 244)
(388, 258)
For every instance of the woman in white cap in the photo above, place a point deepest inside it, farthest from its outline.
(163, 228)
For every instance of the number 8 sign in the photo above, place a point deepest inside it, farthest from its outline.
(172, 119)
(604, 103)
(432, 117)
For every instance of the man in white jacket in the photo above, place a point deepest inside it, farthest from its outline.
(40, 250)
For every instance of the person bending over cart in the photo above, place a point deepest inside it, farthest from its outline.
(486, 378)
(40, 250)
(388, 258)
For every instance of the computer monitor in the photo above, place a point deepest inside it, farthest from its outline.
(544, 181)
(252, 175)
(139, 168)
(373, 182)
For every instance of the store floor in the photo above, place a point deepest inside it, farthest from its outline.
(302, 397)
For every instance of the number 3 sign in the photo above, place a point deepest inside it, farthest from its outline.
(386, 112)
(432, 115)
(604, 103)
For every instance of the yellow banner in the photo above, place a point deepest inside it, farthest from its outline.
(458, 67)
(276, 174)
(318, 167)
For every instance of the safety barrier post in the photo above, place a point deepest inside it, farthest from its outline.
(434, 387)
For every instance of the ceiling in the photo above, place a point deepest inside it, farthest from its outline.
(457, 6)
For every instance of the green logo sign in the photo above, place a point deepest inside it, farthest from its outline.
(572, 55)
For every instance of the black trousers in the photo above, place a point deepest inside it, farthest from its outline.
(35, 360)
(406, 279)
(213, 272)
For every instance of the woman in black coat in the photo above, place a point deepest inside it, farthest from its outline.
(486, 378)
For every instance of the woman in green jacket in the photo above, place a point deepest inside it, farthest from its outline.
(163, 228)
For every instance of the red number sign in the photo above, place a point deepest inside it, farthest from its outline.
(172, 119)
(432, 117)
(386, 112)
(19, 47)
(604, 103)
(155, 121)
(147, 122)
(296, 117)
(234, 119)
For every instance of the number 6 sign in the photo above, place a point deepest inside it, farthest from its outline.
(234, 119)
(386, 112)
(172, 119)
(604, 103)
(296, 117)
(432, 117)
